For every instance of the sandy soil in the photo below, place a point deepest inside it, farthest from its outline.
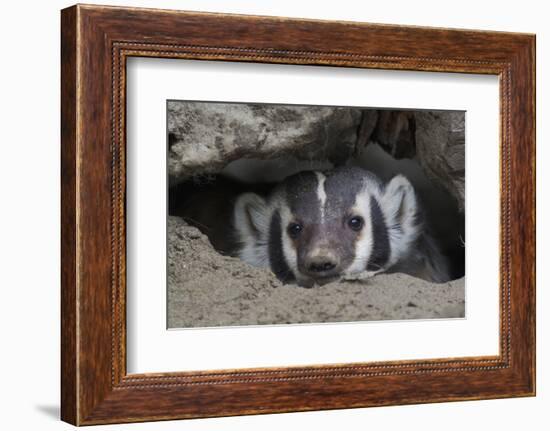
(208, 289)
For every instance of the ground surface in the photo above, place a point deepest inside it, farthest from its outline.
(208, 289)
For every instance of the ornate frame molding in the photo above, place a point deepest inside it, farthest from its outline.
(96, 41)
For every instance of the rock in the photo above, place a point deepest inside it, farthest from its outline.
(204, 137)
(436, 138)
(440, 146)
(394, 132)
(369, 119)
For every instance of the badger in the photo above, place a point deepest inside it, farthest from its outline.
(316, 227)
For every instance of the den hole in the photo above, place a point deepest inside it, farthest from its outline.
(205, 200)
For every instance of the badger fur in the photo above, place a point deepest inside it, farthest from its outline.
(316, 227)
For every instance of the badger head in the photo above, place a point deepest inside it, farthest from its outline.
(317, 227)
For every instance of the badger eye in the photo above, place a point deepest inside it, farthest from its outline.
(356, 223)
(294, 229)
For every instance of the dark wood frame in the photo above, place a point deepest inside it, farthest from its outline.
(95, 43)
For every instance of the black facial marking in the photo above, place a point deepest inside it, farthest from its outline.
(380, 241)
(277, 260)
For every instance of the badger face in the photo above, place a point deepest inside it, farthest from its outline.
(319, 227)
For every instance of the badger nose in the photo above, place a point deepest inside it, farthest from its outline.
(322, 262)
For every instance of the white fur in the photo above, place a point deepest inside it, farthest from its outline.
(399, 206)
(321, 193)
(363, 245)
(251, 208)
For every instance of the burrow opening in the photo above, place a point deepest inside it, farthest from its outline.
(218, 151)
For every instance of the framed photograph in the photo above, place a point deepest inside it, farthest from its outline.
(264, 214)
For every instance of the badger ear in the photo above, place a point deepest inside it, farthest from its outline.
(251, 218)
(400, 206)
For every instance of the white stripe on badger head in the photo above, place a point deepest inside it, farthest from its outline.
(364, 243)
(321, 193)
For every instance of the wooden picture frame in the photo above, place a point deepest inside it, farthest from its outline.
(95, 43)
